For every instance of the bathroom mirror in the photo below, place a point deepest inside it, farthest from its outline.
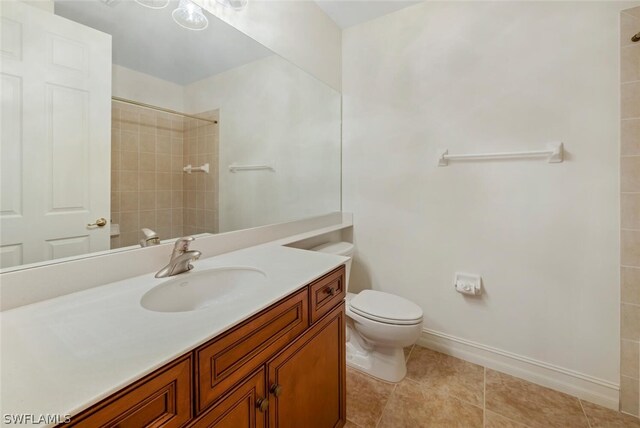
(123, 115)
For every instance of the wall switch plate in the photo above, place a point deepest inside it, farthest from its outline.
(468, 283)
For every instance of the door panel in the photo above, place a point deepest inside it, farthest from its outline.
(310, 378)
(56, 143)
(68, 146)
(239, 409)
(11, 140)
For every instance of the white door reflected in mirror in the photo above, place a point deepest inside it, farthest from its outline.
(56, 148)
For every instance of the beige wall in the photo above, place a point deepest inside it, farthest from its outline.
(298, 30)
(476, 77)
(630, 211)
(141, 87)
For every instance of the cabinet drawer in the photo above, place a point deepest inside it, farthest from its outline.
(161, 399)
(238, 409)
(227, 359)
(326, 293)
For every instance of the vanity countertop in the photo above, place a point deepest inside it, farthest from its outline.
(62, 355)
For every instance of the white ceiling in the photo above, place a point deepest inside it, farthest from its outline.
(149, 41)
(350, 12)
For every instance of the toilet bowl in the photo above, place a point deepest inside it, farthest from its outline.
(379, 325)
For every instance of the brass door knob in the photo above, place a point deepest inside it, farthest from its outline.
(99, 222)
(276, 390)
(262, 404)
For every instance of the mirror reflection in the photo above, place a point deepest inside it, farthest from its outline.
(129, 122)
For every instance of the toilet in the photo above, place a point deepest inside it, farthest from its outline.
(379, 325)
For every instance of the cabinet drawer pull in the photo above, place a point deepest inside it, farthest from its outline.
(276, 390)
(332, 291)
(262, 404)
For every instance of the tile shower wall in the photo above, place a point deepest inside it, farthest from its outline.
(200, 189)
(147, 177)
(630, 213)
(148, 186)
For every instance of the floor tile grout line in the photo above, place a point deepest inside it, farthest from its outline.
(375, 378)
(386, 404)
(462, 400)
(406, 360)
(511, 420)
(349, 420)
(497, 412)
(584, 413)
(484, 398)
(484, 395)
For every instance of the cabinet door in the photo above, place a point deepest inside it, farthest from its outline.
(307, 380)
(244, 407)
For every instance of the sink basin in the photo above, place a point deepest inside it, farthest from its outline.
(196, 290)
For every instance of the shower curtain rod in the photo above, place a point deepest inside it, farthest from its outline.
(166, 110)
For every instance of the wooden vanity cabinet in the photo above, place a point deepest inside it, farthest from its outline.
(306, 385)
(307, 381)
(228, 358)
(283, 367)
(161, 399)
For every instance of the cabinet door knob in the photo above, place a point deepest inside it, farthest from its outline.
(99, 222)
(276, 390)
(332, 291)
(262, 404)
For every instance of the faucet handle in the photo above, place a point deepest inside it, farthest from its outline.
(148, 233)
(182, 244)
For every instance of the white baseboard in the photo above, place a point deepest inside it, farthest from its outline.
(583, 386)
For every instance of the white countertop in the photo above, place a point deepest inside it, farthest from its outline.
(62, 355)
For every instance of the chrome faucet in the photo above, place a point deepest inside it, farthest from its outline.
(150, 238)
(181, 258)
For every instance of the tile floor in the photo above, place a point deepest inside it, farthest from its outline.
(443, 391)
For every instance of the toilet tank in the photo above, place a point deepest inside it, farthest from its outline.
(345, 249)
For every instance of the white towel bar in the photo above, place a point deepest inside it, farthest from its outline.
(234, 167)
(554, 154)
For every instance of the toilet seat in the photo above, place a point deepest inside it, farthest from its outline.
(385, 308)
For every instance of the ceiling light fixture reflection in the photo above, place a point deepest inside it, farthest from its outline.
(190, 16)
(153, 4)
(236, 5)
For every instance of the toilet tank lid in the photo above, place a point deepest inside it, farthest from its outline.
(339, 248)
(385, 306)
